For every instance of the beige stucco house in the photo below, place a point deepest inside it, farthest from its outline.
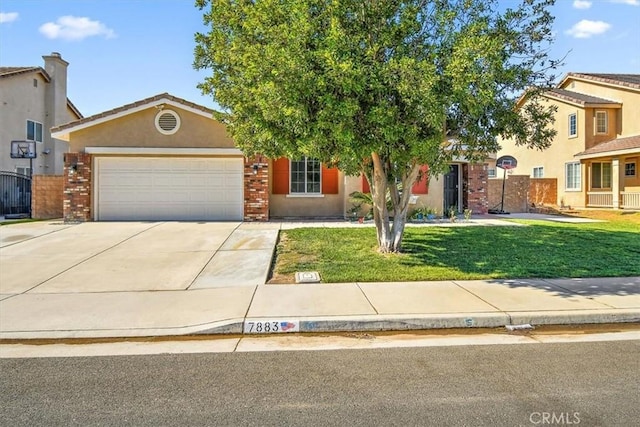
(32, 100)
(596, 152)
(165, 158)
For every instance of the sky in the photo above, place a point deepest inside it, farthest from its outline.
(122, 51)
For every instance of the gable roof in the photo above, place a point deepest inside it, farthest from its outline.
(581, 99)
(630, 144)
(631, 81)
(63, 131)
(16, 71)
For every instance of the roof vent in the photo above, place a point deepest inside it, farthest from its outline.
(167, 122)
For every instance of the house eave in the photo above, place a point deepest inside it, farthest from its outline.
(614, 153)
(64, 133)
(163, 151)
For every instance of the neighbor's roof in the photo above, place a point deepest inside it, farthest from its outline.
(15, 71)
(624, 80)
(580, 98)
(163, 98)
(630, 144)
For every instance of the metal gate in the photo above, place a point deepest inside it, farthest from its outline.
(15, 195)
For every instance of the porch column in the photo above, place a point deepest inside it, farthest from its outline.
(615, 182)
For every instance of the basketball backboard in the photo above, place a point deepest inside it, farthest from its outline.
(23, 150)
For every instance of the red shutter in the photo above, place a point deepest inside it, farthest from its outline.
(365, 185)
(280, 176)
(421, 186)
(329, 180)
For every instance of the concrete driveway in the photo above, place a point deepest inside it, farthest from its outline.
(53, 257)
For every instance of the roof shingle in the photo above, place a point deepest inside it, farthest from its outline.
(579, 98)
(619, 144)
(14, 71)
(627, 80)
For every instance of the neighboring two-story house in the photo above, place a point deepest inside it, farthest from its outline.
(33, 99)
(596, 152)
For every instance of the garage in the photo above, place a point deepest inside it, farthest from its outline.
(168, 188)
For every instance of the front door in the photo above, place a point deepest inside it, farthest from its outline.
(451, 188)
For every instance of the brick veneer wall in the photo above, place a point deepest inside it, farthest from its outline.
(256, 190)
(46, 196)
(477, 189)
(77, 187)
(516, 193)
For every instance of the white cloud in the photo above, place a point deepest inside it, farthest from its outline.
(585, 29)
(75, 28)
(8, 17)
(581, 4)
(629, 2)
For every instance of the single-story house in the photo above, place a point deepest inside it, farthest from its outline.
(165, 158)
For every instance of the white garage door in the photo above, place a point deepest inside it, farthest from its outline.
(169, 188)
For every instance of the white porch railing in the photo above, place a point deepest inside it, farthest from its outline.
(600, 199)
(630, 200)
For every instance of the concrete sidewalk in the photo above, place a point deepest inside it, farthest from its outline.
(320, 308)
(134, 279)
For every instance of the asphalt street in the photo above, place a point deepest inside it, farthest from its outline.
(586, 384)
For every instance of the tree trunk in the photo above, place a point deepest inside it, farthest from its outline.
(390, 235)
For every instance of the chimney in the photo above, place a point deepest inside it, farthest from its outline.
(56, 111)
(56, 95)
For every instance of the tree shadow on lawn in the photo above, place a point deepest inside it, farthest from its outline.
(510, 255)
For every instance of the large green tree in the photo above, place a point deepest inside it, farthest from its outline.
(378, 87)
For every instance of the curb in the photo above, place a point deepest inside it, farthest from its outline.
(366, 323)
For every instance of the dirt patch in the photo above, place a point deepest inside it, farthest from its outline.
(606, 215)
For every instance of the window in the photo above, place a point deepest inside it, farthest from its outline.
(572, 178)
(601, 122)
(23, 171)
(630, 169)
(573, 125)
(600, 175)
(492, 172)
(538, 172)
(305, 176)
(34, 131)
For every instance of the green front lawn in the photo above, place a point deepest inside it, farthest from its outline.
(539, 249)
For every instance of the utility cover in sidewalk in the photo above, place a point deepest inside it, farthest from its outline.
(307, 277)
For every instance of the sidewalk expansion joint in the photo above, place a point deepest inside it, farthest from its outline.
(367, 298)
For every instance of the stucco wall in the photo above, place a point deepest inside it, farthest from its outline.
(21, 101)
(434, 199)
(628, 123)
(554, 158)
(139, 130)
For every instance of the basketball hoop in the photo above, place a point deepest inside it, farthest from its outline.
(507, 163)
(23, 150)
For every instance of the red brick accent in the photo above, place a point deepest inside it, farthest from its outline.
(77, 187)
(477, 188)
(46, 196)
(256, 189)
